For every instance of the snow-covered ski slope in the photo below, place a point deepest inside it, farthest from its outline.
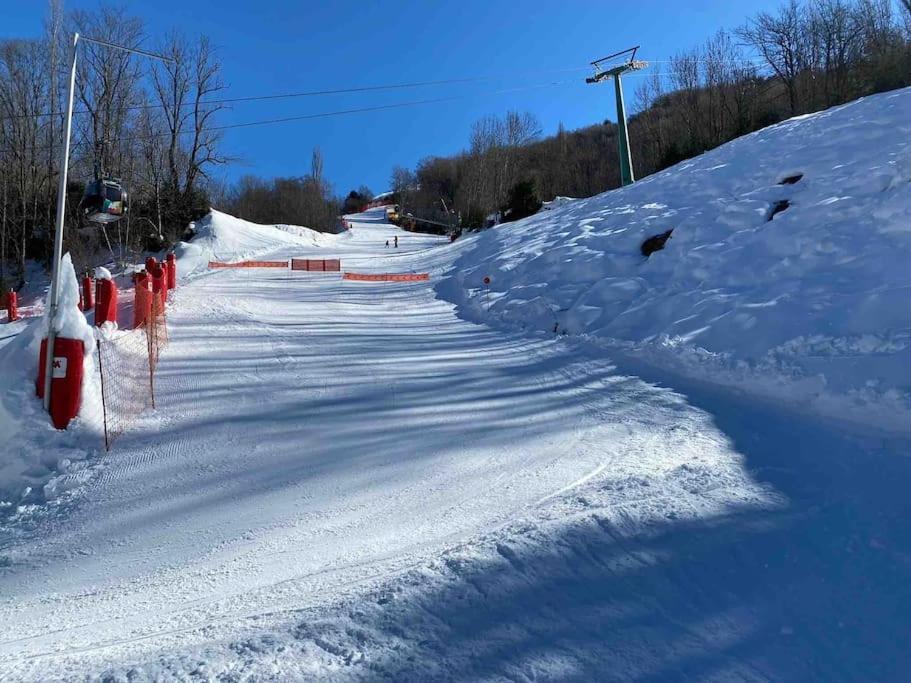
(352, 481)
(810, 307)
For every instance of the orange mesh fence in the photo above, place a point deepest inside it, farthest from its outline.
(386, 277)
(126, 382)
(127, 365)
(249, 264)
(316, 265)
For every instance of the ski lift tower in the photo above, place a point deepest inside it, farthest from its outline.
(614, 66)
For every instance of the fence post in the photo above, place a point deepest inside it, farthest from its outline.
(104, 405)
(150, 324)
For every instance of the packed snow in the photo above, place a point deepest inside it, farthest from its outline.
(374, 480)
(808, 307)
(220, 237)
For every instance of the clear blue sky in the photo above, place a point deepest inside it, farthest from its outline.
(274, 46)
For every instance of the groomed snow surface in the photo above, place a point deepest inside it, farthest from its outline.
(373, 480)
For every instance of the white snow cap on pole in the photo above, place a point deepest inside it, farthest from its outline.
(69, 322)
(102, 273)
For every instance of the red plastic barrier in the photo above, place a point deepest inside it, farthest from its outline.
(172, 271)
(386, 277)
(105, 302)
(249, 264)
(316, 265)
(66, 380)
(12, 307)
(165, 276)
(142, 304)
(88, 301)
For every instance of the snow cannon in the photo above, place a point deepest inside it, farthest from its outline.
(66, 379)
(172, 271)
(142, 303)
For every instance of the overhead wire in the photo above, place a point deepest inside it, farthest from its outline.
(314, 93)
(357, 110)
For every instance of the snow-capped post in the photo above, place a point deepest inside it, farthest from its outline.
(71, 336)
(88, 301)
(172, 271)
(105, 298)
(487, 287)
(12, 307)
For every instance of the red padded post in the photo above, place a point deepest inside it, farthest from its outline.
(142, 303)
(105, 303)
(88, 301)
(172, 271)
(66, 381)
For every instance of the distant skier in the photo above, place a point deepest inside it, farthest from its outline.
(387, 244)
(396, 241)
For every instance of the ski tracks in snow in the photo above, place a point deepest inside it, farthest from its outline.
(328, 456)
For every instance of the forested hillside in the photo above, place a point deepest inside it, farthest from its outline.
(806, 56)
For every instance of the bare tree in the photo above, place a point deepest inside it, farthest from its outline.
(184, 89)
(778, 38)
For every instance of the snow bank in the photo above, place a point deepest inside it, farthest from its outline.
(38, 463)
(808, 306)
(220, 237)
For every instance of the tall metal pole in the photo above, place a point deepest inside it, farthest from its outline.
(626, 157)
(615, 71)
(58, 233)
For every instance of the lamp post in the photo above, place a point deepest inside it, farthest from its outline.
(61, 206)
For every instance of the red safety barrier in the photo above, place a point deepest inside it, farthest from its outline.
(12, 307)
(157, 273)
(386, 277)
(172, 271)
(249, 264)
(316, 265)
(165, 277)
(66, 380)
(105, 302)
(88, 302)
(142, 303)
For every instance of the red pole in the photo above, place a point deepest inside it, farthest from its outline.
(172, 271)
(88, 301)
(142, 304)
(12, 307)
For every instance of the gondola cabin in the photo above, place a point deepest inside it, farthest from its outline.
(104, 201)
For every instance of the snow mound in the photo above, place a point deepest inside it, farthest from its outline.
(220, 237)
(786, 274)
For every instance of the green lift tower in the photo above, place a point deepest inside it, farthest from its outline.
(614, 66)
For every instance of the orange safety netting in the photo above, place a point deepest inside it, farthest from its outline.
(127, 365)
(386, 277)
(316, 265)
(249, 264)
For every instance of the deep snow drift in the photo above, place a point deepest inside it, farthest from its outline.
(810, 306)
